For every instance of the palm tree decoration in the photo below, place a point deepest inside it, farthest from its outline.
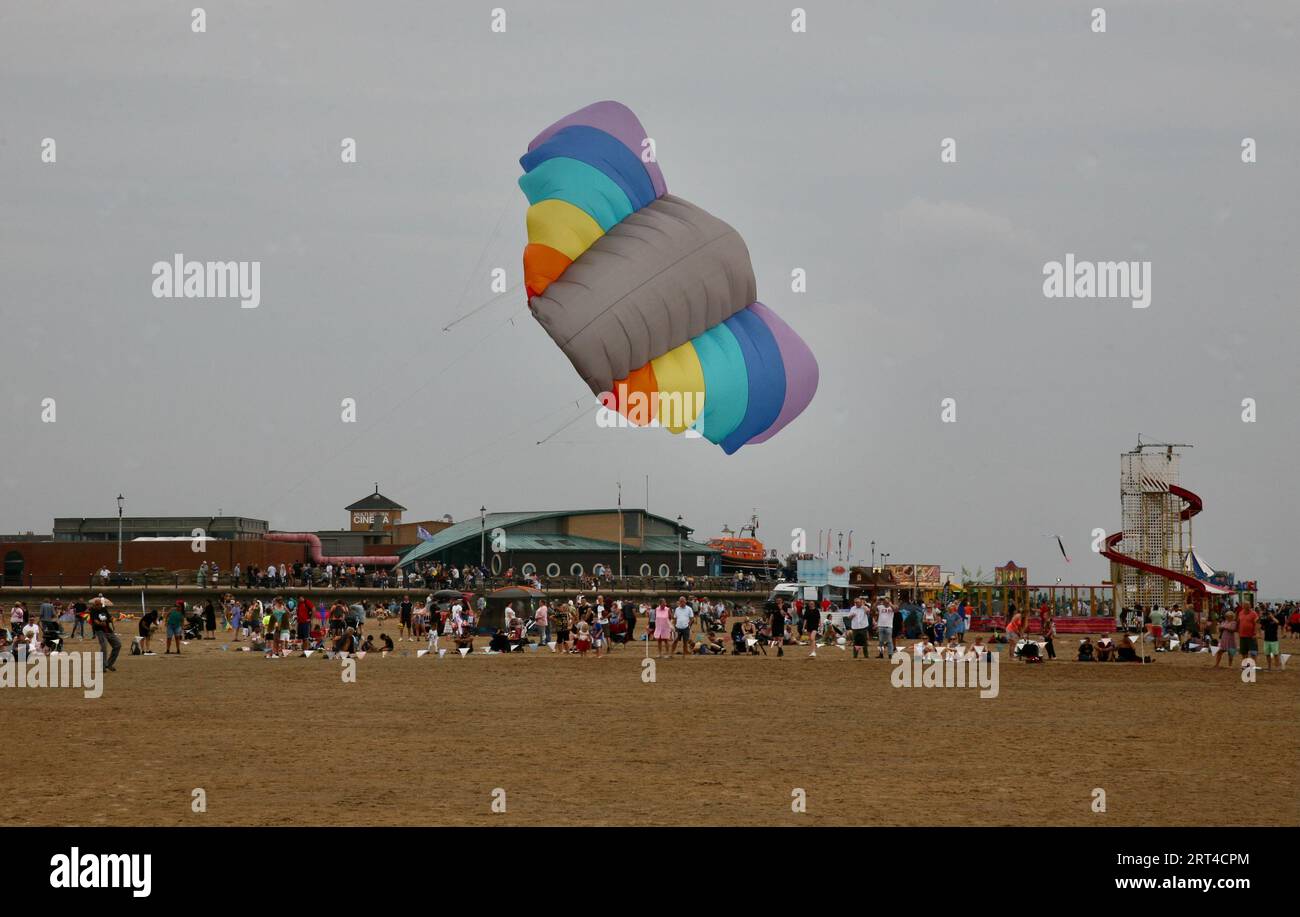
(978, 578)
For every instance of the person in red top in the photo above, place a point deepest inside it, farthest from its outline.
(304, 612)
(1247, 633)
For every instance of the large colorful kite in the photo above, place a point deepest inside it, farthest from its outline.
(652, 299)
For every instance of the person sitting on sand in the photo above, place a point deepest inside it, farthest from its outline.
(1127, 651)
(346, 642)
(387, 642)
(738, 638)
(500, 642)
(1106, 649)
(710, 645)
(1086, 650)
(368, 644)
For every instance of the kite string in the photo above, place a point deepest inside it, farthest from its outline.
(360, 435)
(460, 457)
(567, 424)
(479, 308)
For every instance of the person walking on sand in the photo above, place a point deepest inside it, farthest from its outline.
(776, 626)
(542, 622)
(663, 629)
(1247, 626)
(1271, 624)
(148, 621)
(101, 623)
(1015, 627)
(1047, 625)
(175, 627)
(812, 624)
(683, 615)
(885, 628)
(860, 624)
(1227, 639)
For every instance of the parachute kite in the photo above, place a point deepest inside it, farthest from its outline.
(652, 299)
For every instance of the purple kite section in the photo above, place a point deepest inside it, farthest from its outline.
(801, 372)
(617, 120)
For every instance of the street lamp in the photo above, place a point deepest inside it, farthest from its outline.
(873, 557)
(120, 501)
(482, 536)
(679, 544)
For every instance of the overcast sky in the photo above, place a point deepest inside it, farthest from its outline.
(822, 149)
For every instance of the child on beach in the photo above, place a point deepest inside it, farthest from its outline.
(582, 640)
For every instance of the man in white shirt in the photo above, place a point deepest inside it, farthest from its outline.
(683, 615)
(860, 624)
(885, 628)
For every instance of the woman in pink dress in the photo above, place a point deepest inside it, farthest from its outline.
(1227, 639)
(663, 627)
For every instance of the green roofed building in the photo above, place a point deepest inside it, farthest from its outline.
(570, 543)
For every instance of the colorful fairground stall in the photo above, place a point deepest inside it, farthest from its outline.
(1011, 591)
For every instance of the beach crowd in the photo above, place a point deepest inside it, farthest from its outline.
(690, 625)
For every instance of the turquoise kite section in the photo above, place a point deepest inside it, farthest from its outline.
(726, 383)
(582, 185)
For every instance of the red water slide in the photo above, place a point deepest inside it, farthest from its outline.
(1191, 509)
(313, 544)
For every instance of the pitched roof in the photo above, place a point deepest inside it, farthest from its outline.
(373, 502)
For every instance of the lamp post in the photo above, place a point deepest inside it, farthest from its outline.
(679, 544)
(120, 501)
(873, 557)
(482, 536)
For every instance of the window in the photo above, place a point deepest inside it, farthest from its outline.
(645, 570)
(576, 569)
(631, 525)
(664, 571)
(529, 569)
(552, 569)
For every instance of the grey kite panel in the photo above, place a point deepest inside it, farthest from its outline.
(662, 276)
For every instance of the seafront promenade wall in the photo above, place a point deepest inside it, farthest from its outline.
(125, 598)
